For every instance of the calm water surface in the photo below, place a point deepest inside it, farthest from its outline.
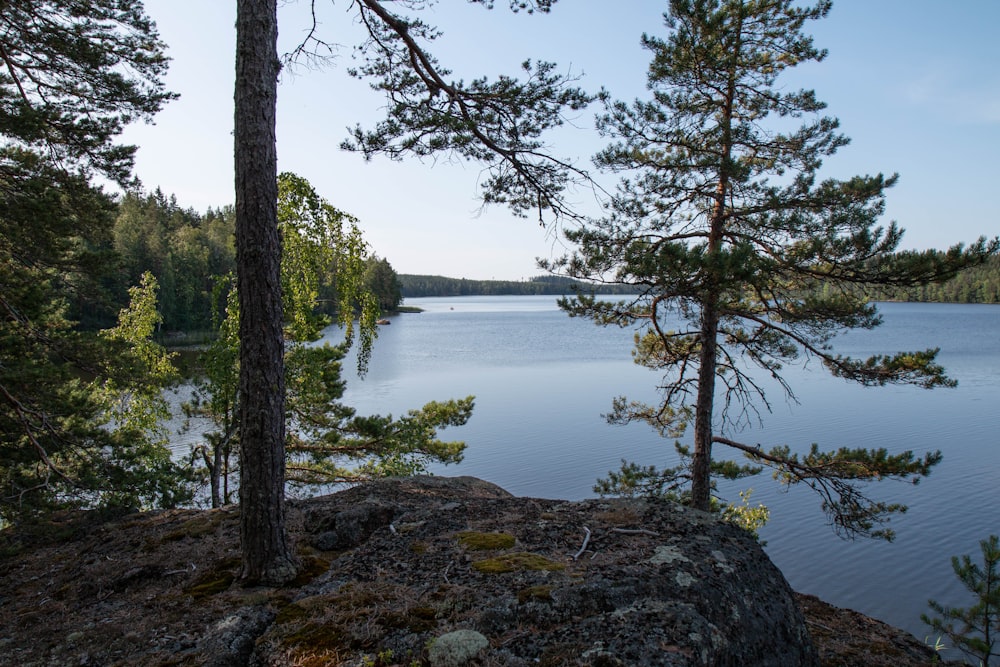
(543, 380)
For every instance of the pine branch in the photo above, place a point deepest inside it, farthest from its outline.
(832, 476)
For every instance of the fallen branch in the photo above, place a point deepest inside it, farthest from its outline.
(635, 531)
(820, 625)
(586, 541)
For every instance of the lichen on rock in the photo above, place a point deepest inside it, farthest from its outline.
(456, 649)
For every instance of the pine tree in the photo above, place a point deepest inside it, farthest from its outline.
(497, 123)
(51, 229)
(979, 625)
(743, 256)
(267, 556)
(72, 74)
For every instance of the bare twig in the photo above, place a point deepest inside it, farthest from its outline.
(13, 75)
(635, 531)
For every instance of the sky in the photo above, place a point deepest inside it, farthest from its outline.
(915, 84)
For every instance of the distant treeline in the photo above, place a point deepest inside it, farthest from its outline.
(980, 284)
(417, 286)
(187, 251)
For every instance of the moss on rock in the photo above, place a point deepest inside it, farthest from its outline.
(474, 541)
(542, 593)
(516, 562)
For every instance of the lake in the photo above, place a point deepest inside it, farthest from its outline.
(542, 381)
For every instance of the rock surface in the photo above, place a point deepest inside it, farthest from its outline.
(657, 584)
(422, 571)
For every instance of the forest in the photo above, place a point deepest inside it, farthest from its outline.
(188, 252)
(978, 284)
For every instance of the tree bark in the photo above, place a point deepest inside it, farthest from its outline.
(701, 459)
(213, 463)
(267, 558)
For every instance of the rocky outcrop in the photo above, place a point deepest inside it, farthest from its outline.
(421, 572)
(597, 582)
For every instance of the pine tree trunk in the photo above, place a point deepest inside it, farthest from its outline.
(701, 458)
(264, 543)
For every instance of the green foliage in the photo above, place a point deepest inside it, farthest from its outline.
(132, 403)
(498, 123)
(187, 252)
(975, 284)
(74, 74)
(745, 260)
(745, 515)
(319, 242)
(130, 393)
(633, 480)
(381, 281)
(326, 441)
(76, 410)
(833, 476)
(184, 250)
(974, 630)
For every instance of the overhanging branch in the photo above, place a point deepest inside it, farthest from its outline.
(24, 417)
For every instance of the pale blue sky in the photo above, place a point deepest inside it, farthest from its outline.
(915, 84)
